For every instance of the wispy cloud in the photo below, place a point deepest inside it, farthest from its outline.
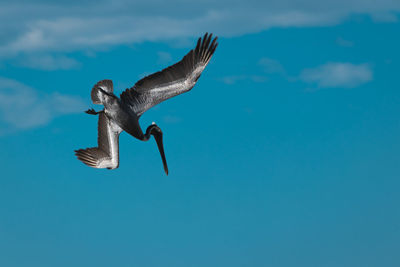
(271, 66)
(385, 16)
(268, 67)
(233, 79)
(47, 62)
(170, 119)
(331, 74)
(22, 107)
(338, 74)
(83, 25)
(343, 42)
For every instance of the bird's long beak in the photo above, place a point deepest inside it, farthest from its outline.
(159, 139)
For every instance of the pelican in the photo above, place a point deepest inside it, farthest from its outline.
(122, 114)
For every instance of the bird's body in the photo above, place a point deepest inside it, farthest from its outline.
(122, 114)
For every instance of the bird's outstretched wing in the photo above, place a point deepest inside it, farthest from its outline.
(172, 81)
(106, 155)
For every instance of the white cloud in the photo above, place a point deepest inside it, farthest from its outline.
(337, 74)
(83, 25)
(271, 66)
(22, 107)
(331, 74)
(47, 62)
(385, 17)
(170, 119)
(232, 79)
(343, 42)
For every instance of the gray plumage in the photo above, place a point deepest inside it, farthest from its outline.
(123, 114)
(172, 81)
(106, 154)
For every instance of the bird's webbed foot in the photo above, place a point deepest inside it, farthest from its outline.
(92, 111)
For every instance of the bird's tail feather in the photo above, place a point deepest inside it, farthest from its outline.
(92, 157)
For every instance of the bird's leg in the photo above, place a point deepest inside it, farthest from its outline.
(154, 130)
(92, 111)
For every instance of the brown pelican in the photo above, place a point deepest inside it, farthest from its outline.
(122, 114)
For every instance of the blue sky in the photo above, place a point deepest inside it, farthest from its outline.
(286, 152)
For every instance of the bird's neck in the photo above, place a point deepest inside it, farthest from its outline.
(149, 132)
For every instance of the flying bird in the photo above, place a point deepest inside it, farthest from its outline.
(123, 113)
